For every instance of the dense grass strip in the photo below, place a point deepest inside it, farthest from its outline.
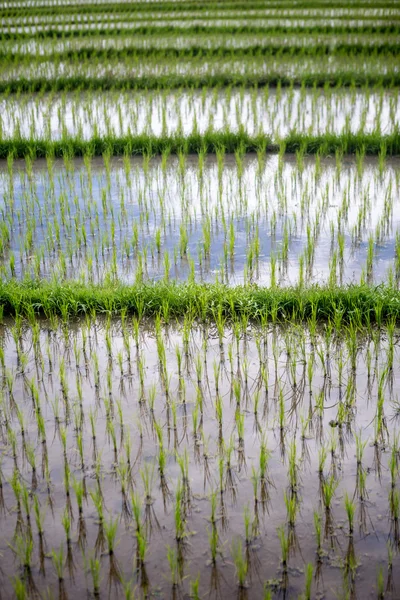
(58, 33)
(348, 143)
(357, 304)
(82, 83)
(201, 51)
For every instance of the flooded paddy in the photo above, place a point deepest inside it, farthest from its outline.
(182, 447)
(260, 219)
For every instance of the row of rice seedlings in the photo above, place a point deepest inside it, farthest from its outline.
(134, 72)
(275, 113)
(204, 45)
(69, 361)
(103, 5)
(155, 229)
(333, 16)
(57, 51)
(228, 24)
(14, 17)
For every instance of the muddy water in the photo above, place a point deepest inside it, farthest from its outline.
(315, 222)
(115, 374)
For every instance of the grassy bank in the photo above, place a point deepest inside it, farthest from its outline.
(360, 305)
(209, 143)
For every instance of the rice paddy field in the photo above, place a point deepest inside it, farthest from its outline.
(199, 299)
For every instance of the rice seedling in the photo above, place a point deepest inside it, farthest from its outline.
(174, 567)
(350, 511)
(240, 562)
(308, 581)
(111, 530)
(95, 570)
(318, 530)
(59, 562)
(284, 543)
(213, 539)
(179, 514)
(291, 503)
(194, 588)
(20, 589)
(380, 584)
